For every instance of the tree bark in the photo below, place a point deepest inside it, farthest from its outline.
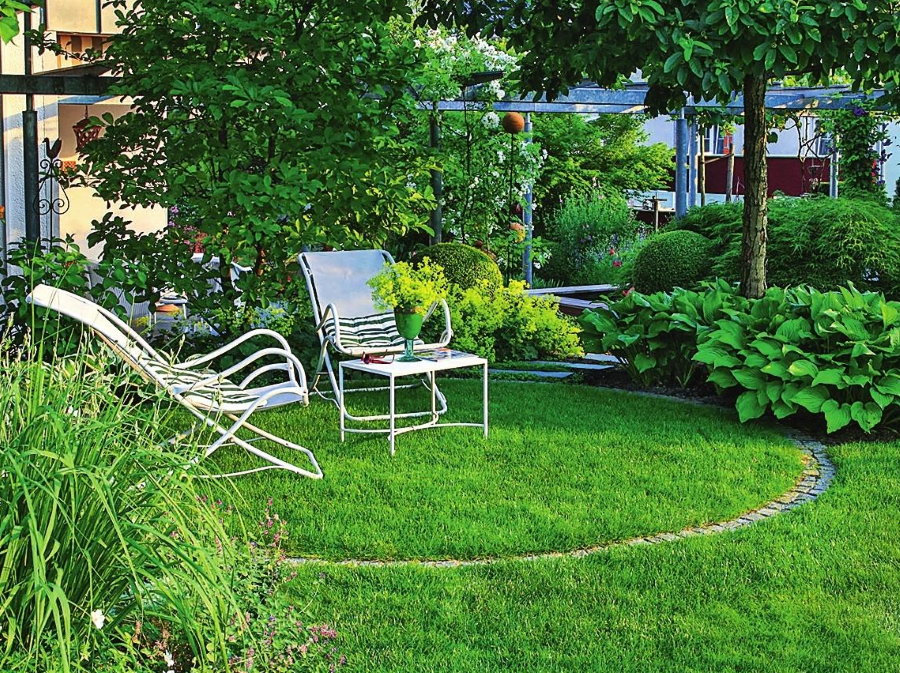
(753, 246)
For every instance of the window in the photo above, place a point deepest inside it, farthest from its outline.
(717, 142)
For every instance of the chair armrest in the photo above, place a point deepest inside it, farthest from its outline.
(294, 368)
(203, 359)
(448, 329)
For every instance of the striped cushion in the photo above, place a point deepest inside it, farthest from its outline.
(220, 391)
(368, 331)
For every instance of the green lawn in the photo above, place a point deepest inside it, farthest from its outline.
(564, 467)
(815, 589)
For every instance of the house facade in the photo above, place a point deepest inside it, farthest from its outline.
(77, 25)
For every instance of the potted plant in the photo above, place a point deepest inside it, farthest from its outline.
(409, 291)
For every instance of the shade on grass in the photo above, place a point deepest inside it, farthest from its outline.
(814, 589)
(564, 467)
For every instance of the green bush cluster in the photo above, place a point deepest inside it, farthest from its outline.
(671, 259)
(816, 241)
(832, 353)
(654, 336)
(511, 325)
(591, 236)
(464, 266)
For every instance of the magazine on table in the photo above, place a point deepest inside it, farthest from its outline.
(441, 354)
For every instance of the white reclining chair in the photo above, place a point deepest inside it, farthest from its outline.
(204, 392)
(346, 319)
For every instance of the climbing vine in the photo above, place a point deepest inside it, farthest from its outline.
(859, 134)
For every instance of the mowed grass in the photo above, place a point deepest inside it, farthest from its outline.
(564, 467)
(813, 590)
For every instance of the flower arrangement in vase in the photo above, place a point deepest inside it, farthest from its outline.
(409, 291)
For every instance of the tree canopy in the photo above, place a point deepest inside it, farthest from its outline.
(708, 50)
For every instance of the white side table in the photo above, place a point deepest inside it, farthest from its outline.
(396, 369)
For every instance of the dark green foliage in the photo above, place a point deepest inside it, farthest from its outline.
(831, 353)
(834, 353)
(816, 241)
(672, 259)
(655, 335)
(589, 235)
(464, 266)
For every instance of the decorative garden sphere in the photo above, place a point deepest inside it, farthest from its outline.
(513, 122)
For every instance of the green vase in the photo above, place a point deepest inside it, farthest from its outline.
(409, 324)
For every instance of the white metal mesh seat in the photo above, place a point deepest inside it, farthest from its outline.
(347, 321)
(206, 393)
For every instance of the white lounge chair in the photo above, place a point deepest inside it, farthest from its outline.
(346, 319)
(207, 394)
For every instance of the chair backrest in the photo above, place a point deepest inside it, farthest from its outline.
(110, 328)
(341, 278)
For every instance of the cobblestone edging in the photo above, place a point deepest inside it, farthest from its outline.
(815, 478)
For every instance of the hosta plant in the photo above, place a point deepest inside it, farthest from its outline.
(831, 353)
(654, 336)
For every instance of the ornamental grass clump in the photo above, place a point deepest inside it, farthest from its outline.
(111, 558)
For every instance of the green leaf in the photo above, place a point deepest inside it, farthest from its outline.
(643, 362)
(803, 368)
(830, 376)
(867, 415)
(748, 406)
(811, 398)
(889, 385)
(751, 379)
(837, 415)
(722, 378)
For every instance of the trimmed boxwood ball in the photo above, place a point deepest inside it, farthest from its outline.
(672, 259)
(464, 266)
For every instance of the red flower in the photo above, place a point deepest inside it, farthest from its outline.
(617, 263)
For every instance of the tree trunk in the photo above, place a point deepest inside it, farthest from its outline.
(753, 247)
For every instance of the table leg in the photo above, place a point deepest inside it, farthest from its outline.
(391, 413)
(485, 400)
(340, 393)
(434, 416)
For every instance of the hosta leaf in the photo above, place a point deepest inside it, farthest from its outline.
(723, 378)
(717, 357)
(783, 409)
(752, 379)
(729, 333)
(803, 368)
(830, 376)
(773, 391)
(837, 415)
(889, 315)
(889, 385)
(748, 406)
(881, 399)
(811, 398)
(775, 368)
(643, 362)
(768, 347)
(867, 415)
(792, 331)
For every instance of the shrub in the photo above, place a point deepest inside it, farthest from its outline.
(511, 325)
(816, 241)
(830, 353)
(464, 266)
(671, 259)
(589, 234)
(655, 336)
